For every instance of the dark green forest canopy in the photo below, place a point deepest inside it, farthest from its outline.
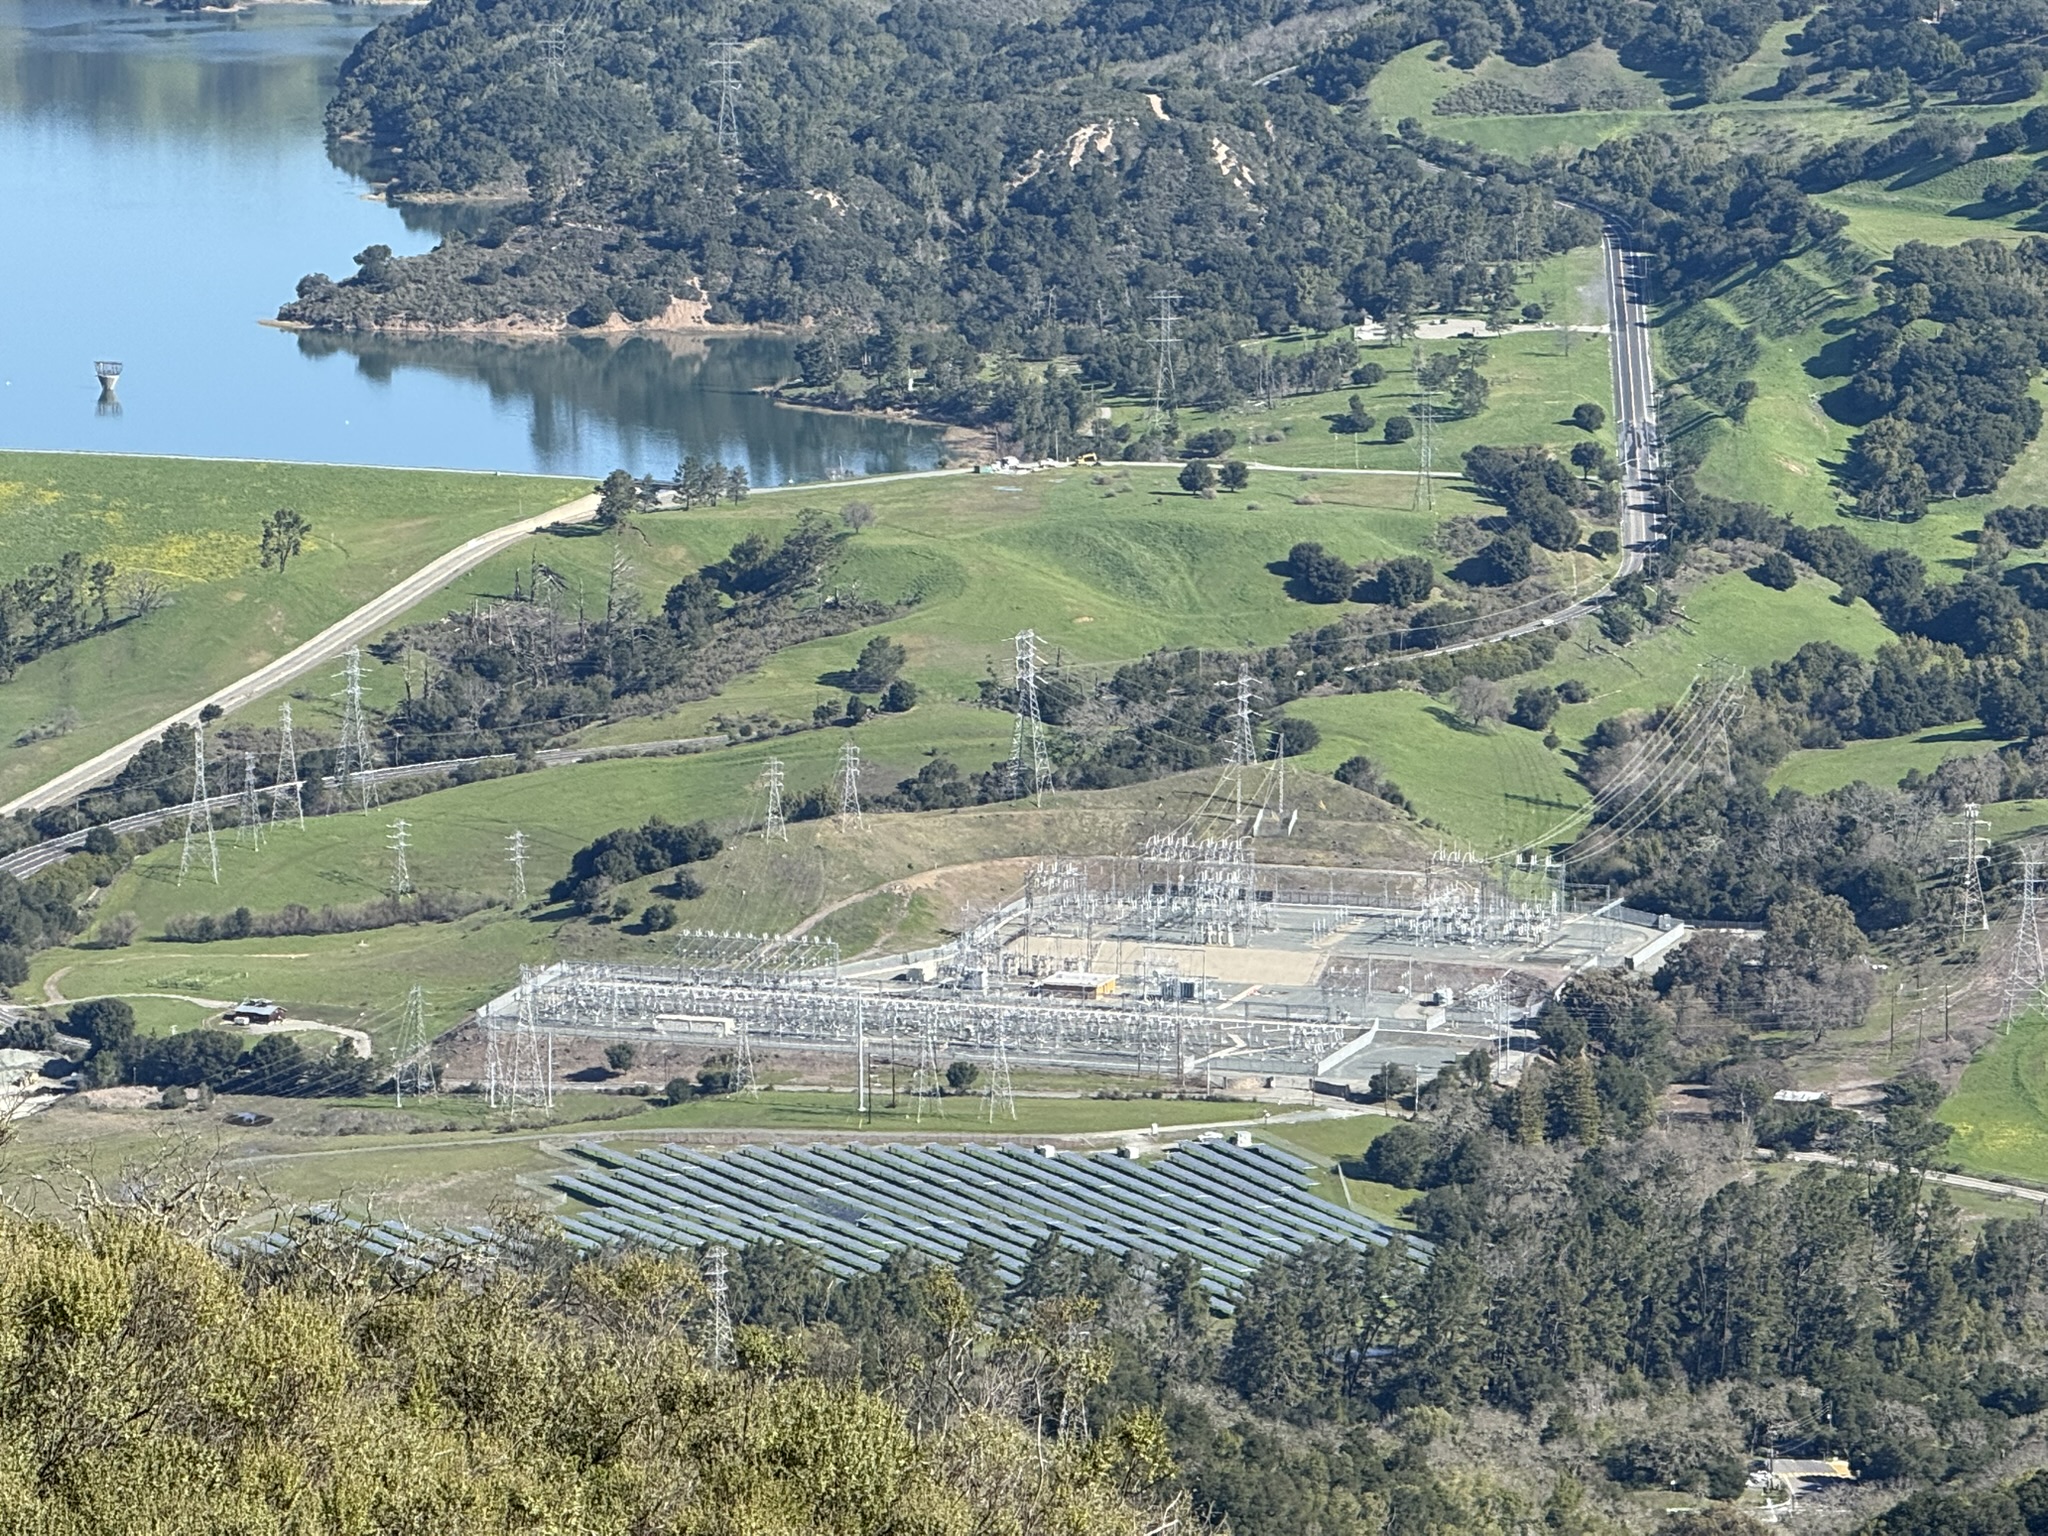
(985, 177)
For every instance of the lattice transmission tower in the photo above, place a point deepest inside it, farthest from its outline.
(399, 840)
(1165, 384)
(726, 61)
(850, 817)
(1244, 746)
(515, 855)
(929, 1081)
(285, 787)
(249, 810)
(199, 815)
(1970, 913)
(354, 757)
(1028, 762)
(773, 827)
(554, 53)
(415, 1074)
(1000, 1097)
(2029, 967)
(1425, 443)
(718, 1348)
(519, 1061)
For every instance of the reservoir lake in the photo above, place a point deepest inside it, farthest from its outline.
(168, 183)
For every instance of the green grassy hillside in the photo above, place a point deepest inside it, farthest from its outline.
(193, 526)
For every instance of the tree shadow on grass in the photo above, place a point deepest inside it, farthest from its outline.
(1452, 721)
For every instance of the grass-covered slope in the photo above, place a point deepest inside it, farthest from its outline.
(193, 527)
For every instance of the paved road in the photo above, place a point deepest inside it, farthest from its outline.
(372, 618)
(366, 622)
(1933, 1176)
(1635, 397)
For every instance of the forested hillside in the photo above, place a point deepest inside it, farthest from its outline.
(949, 171)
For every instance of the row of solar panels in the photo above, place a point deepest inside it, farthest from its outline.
(1232, 1207)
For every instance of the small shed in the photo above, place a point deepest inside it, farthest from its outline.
(255, 1010)
(1085, 985)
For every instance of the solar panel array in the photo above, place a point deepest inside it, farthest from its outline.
(1230, 1206)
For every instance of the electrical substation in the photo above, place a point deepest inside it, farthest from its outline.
(1188, 966)
(1201, 960)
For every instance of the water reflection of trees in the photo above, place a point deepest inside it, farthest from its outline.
(649, 400)
(242, 78)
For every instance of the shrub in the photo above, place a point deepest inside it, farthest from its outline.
(1535, 707)
(879, 662)
(659, 917)
(1406, 581)
(1320, 575)
(1363, 774)
(1777, 571)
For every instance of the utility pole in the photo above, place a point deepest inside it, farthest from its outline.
(401, 868)
(355, 757)
(773, 827)
(199, 818)
(1164, 384)
(249, 814)
(860, 1058)
(746, 1079)
(850, 818)
(1027, 739)
(515, 855)
(287, 780)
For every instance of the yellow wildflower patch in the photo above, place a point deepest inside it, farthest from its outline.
(191, 558)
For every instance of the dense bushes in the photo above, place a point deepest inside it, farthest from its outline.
(296, 921)
(1947, 412)
(632, 852)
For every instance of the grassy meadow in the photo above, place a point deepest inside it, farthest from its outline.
(2000, 1109)
(193, 527)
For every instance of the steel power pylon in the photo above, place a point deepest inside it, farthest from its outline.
(354, 757)
(399, 841)
(725, 59)
(1164, 383)
(515, 855)
(249, 812)
(1970, 913)
(1027, 740)
(415, 1073)
(850, 817)
(773, 827)
(199, 817)
(2029, 966)
(286, 784)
